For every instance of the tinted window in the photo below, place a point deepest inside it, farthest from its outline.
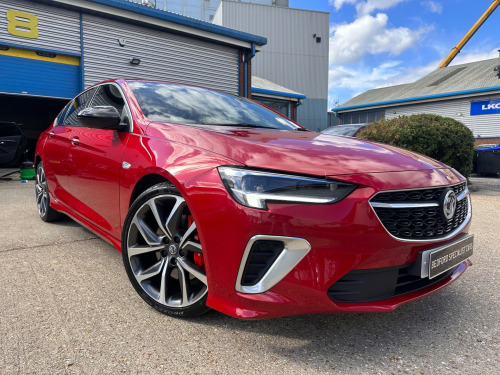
(181, 104)
(109, 95)
(79, 103)
(8, 129)
(60, 117)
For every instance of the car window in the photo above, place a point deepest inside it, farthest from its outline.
(9, 129)
(76, 105)
(109, 95)
(182, 104)
(60, 117)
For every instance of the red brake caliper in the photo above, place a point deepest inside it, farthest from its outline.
(198, 258)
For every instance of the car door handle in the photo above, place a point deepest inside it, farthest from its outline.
(75, 141)
(51, 134)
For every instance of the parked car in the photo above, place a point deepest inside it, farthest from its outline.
(217, 202)
(12, 144)
(344, 130)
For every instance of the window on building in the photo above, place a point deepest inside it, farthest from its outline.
(362, 117)
(278, 106)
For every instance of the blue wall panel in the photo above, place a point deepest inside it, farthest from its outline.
(36, 77)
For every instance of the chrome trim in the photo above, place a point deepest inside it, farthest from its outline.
(463, 194)
(426, 256)
(402, 205)
(420, 188)
(449, 235)
(295, 249)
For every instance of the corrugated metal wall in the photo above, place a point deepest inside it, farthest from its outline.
(292, 57)
(163, 56)
(459, 109)
(58, 29)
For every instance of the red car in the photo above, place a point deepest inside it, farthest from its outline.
(217, 202)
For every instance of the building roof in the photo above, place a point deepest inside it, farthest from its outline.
(139, 13)
(264, 87)
(464, 79)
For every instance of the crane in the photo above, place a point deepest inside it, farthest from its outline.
(469, 34)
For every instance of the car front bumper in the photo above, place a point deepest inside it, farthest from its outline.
(344, 237)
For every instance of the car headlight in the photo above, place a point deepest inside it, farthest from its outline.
(254, 188)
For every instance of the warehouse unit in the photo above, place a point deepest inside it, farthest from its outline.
(296, 55)
(50, 50)
(469, 93)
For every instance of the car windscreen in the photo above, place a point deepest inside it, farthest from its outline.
(179, 104)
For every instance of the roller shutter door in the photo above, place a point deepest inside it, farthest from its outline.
(27, 72)
(109, 46)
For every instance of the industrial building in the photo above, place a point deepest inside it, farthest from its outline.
(469, 93)
(201, 9)
(296, 55)
(52, 49)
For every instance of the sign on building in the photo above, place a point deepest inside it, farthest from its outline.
(485, 107)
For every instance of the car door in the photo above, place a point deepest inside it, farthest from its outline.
(12, 144)
(97, 157)
(57, 156)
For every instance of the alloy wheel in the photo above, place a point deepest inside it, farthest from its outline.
(165, 254)
(42, 191)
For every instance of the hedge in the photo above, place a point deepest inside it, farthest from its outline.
(441, 138)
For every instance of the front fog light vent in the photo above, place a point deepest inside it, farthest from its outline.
(261, 257)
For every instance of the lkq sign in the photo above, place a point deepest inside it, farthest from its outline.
(485, 107)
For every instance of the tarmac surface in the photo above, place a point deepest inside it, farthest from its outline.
(67, 307)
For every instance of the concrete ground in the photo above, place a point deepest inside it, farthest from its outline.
(66, 307)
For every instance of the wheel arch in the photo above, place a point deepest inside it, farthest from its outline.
(145, 183)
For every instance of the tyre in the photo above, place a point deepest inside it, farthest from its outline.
(162, 253)
(46, 212)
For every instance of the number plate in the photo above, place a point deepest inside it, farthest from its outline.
(445, 258)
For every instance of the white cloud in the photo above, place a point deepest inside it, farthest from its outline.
(474, 56)
(366, 7)
(338, 3)
(345, 82)
(433, 6)
(368, 34)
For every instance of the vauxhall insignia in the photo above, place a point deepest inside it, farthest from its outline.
(449, 204)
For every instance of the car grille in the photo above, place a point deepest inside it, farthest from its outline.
(376, 284)
(418, 214)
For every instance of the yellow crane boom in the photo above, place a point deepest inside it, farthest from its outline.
(469, 34)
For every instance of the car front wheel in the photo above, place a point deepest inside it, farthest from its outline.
(162, 253)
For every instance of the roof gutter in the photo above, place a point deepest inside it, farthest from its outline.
(417, 98)
(278, 93)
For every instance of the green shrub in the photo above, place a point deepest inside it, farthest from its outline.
(441, 138)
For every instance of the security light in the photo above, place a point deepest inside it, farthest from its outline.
(497, 69)
(135, 61)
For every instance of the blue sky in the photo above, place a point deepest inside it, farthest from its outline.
(377, 43)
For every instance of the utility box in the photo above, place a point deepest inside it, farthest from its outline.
(488, 160)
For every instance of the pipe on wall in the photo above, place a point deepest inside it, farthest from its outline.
(245, 70)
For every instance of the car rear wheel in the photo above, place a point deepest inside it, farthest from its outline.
(162, 253)
(46, 212)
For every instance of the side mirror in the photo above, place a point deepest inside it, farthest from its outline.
(101, 117)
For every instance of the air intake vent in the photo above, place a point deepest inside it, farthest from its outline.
(262, 255)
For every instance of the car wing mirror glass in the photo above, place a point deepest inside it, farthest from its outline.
(101, 117)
